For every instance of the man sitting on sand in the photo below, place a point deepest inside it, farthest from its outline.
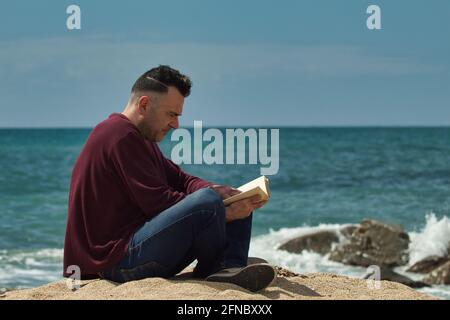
(134, 214)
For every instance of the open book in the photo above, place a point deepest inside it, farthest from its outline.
(258, 186)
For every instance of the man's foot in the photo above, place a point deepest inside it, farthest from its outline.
(253, 277)
(255, 260)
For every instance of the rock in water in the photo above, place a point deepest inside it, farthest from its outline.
(390, 275)
(440, 275)
(428, 264)
(320, 241)
(374, 243)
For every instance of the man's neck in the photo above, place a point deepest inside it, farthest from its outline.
(130, 115)
(128, 112)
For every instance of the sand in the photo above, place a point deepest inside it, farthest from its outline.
(285, 287)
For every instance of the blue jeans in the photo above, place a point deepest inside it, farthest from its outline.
(193, 228)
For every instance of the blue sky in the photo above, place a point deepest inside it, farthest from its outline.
(256, 63)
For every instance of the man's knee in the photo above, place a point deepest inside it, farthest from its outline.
(208, 200)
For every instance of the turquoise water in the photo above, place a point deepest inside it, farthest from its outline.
(327, 176)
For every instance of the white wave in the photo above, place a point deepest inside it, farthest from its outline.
(276, 238)
(27, 268)
(266, 246)
(440, 291)
(433, 239)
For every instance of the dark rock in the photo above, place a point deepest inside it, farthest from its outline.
(440, 275)
(390, 275)
(348, 231)
(320, 241)
(374, 243)
(428, 264)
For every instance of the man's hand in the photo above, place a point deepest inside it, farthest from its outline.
(241, 209)
(225, 191)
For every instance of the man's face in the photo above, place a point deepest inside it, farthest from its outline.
(162, 115)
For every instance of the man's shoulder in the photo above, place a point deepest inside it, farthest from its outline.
(111, 131)
(115, 121)
(115, 126)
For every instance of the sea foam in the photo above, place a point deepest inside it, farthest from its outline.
(432, 239)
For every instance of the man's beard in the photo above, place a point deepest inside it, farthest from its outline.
(147, 133)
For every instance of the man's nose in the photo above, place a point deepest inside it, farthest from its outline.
(174, 124)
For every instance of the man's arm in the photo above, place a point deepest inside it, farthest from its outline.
(187, 183)
(181, 180)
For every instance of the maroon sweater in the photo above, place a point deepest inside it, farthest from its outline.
(119, 181)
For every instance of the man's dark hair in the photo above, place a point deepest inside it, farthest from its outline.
(160, 79)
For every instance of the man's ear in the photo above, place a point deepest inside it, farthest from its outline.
(142, 104)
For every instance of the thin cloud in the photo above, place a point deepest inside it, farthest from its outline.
(93, 58)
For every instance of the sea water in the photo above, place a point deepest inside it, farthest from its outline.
(328, 178)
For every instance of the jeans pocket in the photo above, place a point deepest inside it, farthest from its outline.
(147, 270)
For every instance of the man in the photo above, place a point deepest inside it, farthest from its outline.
(135, 214)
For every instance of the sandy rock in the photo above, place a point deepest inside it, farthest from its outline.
(281, 272)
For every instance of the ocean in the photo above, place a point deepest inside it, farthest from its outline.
(328, 177)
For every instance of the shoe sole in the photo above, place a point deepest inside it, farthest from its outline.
(255, 260)
(253, 277)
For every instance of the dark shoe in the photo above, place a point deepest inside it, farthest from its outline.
(255, 260)
(254, 277)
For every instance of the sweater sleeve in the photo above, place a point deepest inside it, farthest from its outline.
(137, 169)
(181, 180)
